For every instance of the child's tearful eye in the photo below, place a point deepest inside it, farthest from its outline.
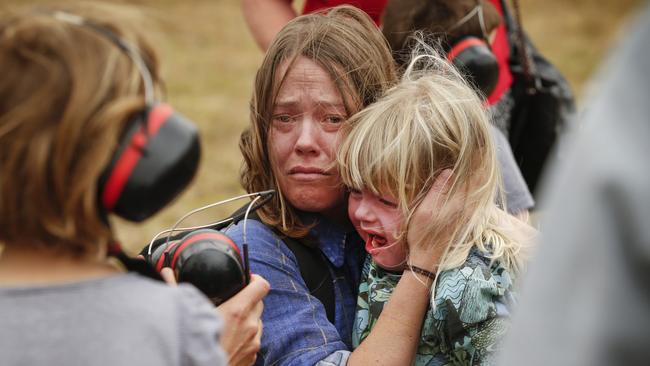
(354, 192)
(388, 203)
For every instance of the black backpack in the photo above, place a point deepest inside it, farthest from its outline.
(544, 103)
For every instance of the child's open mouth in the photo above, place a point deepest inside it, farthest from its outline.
(374, 242)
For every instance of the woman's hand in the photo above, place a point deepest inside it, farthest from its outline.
(427, 229)
(242, 324)
(168, 276)
(242, 330)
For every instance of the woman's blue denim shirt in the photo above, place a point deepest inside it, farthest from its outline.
(296, 328)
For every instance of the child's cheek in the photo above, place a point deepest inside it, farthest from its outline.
(353, 204)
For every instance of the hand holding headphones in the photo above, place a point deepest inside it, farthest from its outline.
(203, 255)
(206, 258)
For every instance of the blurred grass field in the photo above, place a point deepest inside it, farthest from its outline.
(209, 61)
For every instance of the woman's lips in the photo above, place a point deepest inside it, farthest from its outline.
(307, 173)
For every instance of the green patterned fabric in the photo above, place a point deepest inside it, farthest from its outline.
(472, 307)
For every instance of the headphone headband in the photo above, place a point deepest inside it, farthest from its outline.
(476, 11)
(129, 49)
(158, 153)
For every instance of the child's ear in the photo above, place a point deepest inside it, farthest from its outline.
(443, 181)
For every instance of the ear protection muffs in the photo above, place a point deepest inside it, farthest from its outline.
(473, 57)
(157, 158)
(206, 258)
(159, 151)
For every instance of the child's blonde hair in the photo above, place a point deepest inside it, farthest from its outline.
(431, 121)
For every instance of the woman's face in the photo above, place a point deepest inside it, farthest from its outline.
(303, 137)
(379, 221)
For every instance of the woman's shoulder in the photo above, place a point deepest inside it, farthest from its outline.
(149, 301)
(255, 233)
(190, 320)
(267, 250)
(160, 322)
(250, 226)
(127, 296)
(143, 291)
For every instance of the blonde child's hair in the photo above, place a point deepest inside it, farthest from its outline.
(431, 121)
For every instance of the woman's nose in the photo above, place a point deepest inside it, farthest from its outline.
(307, 141)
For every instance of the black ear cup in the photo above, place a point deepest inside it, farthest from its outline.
(472, 56)
(206, 258)
(156, 160)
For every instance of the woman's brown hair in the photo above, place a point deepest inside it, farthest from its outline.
(350, 48)
(66, 93)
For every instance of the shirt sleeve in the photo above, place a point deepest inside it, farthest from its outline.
(200, 328)
(518, 196)
(296, 328)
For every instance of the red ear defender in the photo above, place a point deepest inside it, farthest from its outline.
(472, 56)
(208, 259)
(159, 151)
(156, 160)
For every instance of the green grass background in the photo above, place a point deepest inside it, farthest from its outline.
(209, 60)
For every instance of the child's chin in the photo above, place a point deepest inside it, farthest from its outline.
(389, 265)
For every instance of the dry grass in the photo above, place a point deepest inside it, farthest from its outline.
(209, 60)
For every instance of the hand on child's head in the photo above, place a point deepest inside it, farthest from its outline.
(422, 221)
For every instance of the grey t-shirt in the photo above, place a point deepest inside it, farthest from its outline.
(518, 197)
(119, 320)
(586, 300)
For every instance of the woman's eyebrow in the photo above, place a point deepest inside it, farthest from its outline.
(291, 103)
(285, 103)
(327, 104)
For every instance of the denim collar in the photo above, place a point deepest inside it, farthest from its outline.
(331, 237)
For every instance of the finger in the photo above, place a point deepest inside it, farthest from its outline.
(260, 329)
(253, 346)
(168, 275)
(253, 322)
(252, 294)
(439, 187)
(140, 257)
(257, 310)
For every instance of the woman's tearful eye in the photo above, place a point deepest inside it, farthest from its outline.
(335, 119)
(282, 118)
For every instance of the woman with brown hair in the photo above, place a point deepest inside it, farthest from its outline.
(321, 69)
(72, 83)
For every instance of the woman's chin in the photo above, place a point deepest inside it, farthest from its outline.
(315, 200)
